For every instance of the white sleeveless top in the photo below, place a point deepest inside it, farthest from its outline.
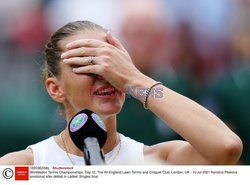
(48, 152)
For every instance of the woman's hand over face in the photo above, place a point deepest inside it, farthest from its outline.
(111, 60)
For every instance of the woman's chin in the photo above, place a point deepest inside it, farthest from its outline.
(108, 109)
(109, 106)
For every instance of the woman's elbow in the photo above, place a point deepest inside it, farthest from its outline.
(230, 152)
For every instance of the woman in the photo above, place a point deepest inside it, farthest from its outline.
(82, 56)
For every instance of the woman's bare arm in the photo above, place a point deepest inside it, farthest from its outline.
(209, 140)
(24, 157)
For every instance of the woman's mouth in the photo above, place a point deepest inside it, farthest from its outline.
(106, 92)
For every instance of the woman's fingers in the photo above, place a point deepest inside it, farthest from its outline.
(85, 43)
(115, 42)
(111, 61)
(80, 60)
(91, 47)
(79, 52)
(93, 69)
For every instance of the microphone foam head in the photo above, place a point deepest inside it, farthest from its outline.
(87, 124)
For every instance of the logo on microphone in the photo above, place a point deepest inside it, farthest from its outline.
(78, 122)
(99, 121)
(8, 173)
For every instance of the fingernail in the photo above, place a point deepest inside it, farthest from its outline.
(65, 61)
(68, 46)
(63, 55)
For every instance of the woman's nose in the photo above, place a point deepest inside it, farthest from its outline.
(102, 80)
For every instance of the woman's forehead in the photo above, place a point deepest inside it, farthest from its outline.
(91, 34)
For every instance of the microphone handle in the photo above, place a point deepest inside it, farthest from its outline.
(93, 154)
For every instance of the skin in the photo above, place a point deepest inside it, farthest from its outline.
(113, 66)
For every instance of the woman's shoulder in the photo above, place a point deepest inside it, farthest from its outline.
(23, 157)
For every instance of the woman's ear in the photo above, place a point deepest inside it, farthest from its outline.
(54, 89)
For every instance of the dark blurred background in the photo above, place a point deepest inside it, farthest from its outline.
(199, 48)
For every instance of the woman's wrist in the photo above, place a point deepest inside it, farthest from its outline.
(138, 87)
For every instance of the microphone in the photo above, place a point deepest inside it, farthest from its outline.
(89, 134)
